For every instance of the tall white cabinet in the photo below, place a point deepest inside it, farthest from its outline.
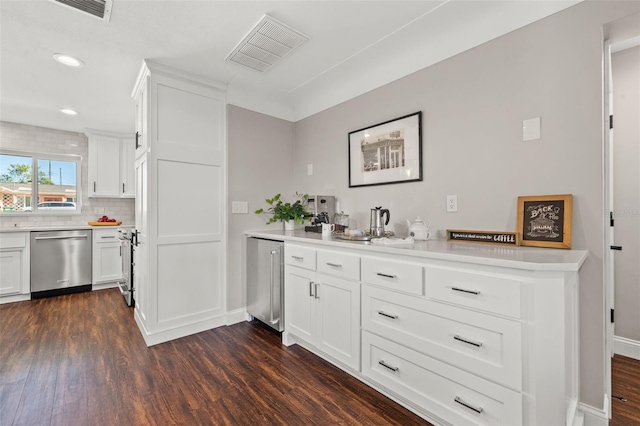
(180, 207)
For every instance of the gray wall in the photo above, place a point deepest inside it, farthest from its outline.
(473, 106)
(260, 166)
(626, 109)
(26, 138)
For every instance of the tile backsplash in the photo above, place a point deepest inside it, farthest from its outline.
(32, 139)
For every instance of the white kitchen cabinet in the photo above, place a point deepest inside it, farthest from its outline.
(14, 265)
(127, 167)
(110, 165)
(106, 256)
(179, 262)
(479, 339)
(142, 107)
(322, 310)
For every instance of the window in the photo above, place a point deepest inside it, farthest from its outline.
(54, 191)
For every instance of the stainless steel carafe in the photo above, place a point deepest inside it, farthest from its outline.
(376, 225)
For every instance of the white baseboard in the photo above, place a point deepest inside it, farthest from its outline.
(593, 416)
(626, 347)
(236, 316)
(15, 298)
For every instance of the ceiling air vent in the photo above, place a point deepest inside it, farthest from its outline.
(98, 8)
(268, 42)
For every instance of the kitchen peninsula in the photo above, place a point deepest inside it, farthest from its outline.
(458, 333)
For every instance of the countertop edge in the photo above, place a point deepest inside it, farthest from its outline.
(61, 228)
(530, 258)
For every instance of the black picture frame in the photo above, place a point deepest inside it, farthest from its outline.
(386, 153)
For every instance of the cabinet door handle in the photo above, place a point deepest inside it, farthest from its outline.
(123, 188)
(386, 275)
(468, 342)
(316, 295)
(94, 186)
(459, 400)
(462, 290)
(335, 265)
(297, 257)
(384, 314)
(311, 287)
(137, 138)
(385, 365)
(120, 251)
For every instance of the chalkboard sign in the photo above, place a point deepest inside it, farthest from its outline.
(545, 220)
(486, 237)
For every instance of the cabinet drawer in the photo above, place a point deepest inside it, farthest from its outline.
(397, 275)
(483, 344)
(338, 263)
(105, 236)
(486, 292)
(13, 241)
(454, 395)
(303, 257)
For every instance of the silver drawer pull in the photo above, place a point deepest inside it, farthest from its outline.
(384, 314)
(298, 257)
(459, 400)
(465, 291)
(468, 342)
(385, 275)
(108, 236)
(385, 365)
(335, 265)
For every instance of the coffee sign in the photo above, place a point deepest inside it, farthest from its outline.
(486, 237)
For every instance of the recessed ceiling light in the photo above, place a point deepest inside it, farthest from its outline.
(67, 60)
(68, 111)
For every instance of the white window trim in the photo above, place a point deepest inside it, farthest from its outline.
(35, 156)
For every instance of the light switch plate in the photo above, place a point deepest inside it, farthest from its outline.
(309, 169)
(531, 129)
(239, 207)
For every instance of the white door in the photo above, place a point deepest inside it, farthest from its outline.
(299, 297)
(608, 205)
(338, 319)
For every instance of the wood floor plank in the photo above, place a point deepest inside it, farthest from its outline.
(80, 359)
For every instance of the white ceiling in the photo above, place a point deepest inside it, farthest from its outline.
(355, 47)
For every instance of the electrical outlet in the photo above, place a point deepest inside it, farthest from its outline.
(99, 210)
(452, 203)
(239, 207)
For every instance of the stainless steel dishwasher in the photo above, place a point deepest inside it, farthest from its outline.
(60, 262)
(265, 281)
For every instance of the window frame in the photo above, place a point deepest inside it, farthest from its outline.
(35, 158)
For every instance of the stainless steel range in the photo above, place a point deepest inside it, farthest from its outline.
(126, 237)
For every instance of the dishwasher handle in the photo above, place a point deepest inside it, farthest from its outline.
(63, 237)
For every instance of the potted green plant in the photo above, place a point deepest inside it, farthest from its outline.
(288, 213)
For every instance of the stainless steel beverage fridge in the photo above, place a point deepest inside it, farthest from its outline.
(265, 281)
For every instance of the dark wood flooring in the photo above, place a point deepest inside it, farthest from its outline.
(625, 383)
(80, 360)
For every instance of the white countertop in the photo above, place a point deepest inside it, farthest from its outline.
(529, 258)
(35, 228)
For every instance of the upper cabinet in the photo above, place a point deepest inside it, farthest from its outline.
(111, 165)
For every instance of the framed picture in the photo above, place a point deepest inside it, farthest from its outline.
(545, 220)
(389, 152)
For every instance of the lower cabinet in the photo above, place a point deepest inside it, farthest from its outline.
(107, 256)
(324, 312)
(457, 342)
(14, 264)
(447, 392)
